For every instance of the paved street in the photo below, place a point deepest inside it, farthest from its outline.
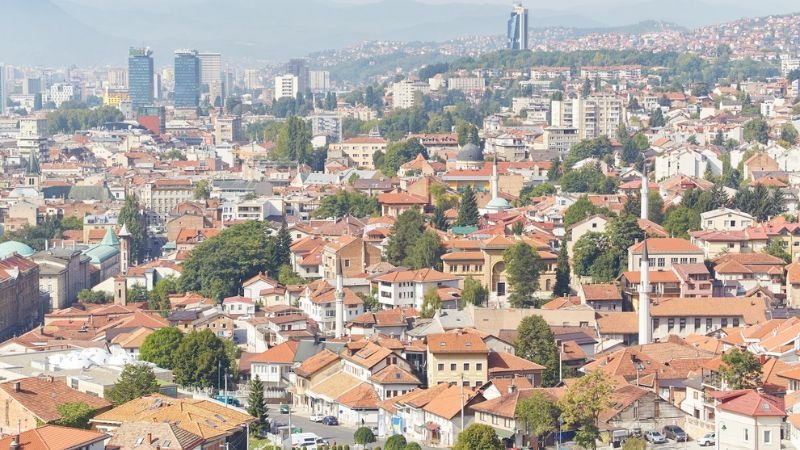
(339, 433)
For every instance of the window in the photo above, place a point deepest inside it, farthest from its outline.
(682, 324)
(746, 434)
(724, 322)
(441, 366)
(736, 322)
(697, 324)
(655, 323)
(452, 367)
(709, 324)
(466, 366)
(767, 436)
(660, 262)
(465, 383)
(670, 324)
(478, 366)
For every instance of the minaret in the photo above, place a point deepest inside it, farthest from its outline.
(644, 194)
(339, 330)
(645, 332)
(124, 249)
(495, 178)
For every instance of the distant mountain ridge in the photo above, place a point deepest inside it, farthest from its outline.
(98, 31)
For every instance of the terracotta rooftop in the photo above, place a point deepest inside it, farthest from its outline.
(456, 343)
(54, 437)
(36, 395)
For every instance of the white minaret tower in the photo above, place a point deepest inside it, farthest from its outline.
(339, 330)
(495, 178)
(644, 193)
(645, 332)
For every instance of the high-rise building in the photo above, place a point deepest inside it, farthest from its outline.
(319, 80)
(210, 68)
(31, 86)
(404, 93)
(140, 77)
(592, 116)
(286, 86)
(518, 28)
(187, 79)
(298, 68)
(117, 78)
(251, 79)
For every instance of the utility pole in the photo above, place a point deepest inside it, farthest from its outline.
(462, 401)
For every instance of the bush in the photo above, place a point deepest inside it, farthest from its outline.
(396, 442)
(364, 435)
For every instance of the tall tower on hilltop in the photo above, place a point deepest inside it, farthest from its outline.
(339, 326)
(517, 33)
(645, 190)
(645, 331)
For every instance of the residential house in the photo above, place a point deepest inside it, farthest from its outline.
(725, 219)
(443, 415)
(218, 425)
(601, 296)
(457, 356)
(748, 419)
(664, 252)
(407, 288)
(737, 274)
(319, 303)
(26, 403)
(238, 306)
(393, 322)
(54, 437)
(395, 203)
(352, 253)
(252, 287)
(685, 316)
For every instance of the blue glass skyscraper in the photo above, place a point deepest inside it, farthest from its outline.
(187, 79)
(518, 28)
(140, 77)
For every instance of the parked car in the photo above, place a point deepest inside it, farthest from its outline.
(329, 420)
(655, 437)
(229, 400)
(675, 433)
(284, 409)
(316, 418)
(708, 439)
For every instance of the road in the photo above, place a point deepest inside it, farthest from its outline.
(340, 434)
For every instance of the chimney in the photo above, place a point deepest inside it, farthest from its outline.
(149, 438)
(16, 386)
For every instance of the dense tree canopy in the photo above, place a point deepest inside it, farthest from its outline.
(131, 216)
(356, 204)
(583, 403)
(536, 342)
(522, 271)
(218, 266)
(478, 437)
(135, 381)
(760, 202)
(740, 369)
(468, 214)
(405, 232)
(69, 118)
(198, 358)
(159, 347)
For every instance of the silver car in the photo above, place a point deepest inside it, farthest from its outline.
(708, 439)
(654, 437)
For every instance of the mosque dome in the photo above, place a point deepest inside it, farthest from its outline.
(470, 153)
(10, 247)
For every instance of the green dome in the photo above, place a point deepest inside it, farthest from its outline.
(7, 248)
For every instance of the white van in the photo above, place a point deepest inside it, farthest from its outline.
(307, 441)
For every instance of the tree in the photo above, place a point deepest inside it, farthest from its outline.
(426, 252)
(622, 231)
(536, 342)
(586, 250)
(657, 119)
(430, 303)
(788, 133)
(474, 292)
(132, 218)
(198, 357)
(135, 381)
(740, 369)
(364, 436)
(399, 153)
(468, 214)
(586, 89)
(756, 130)
(760, 202)
(89, 296)
(342, 203)
(412, 446)
(159, 347)
(582, 404)
(283, 244)
(256, 406)
(692, 140)
(522, 271)
(405, 232)
(776, 249)
(562, 285)
(580, 210)
(719, 138)
(537, 414)
(629, 151)
(201, 190)
(395, 442)
(680, 220)
(137, 293)
(478, 437)
(294, 141)
(158, 298)
(218, 266)
(287, 276)
(439, 221)
(74, 415)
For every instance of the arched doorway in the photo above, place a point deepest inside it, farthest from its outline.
(499, 279)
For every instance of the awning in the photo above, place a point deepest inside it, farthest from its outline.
(503, 434)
